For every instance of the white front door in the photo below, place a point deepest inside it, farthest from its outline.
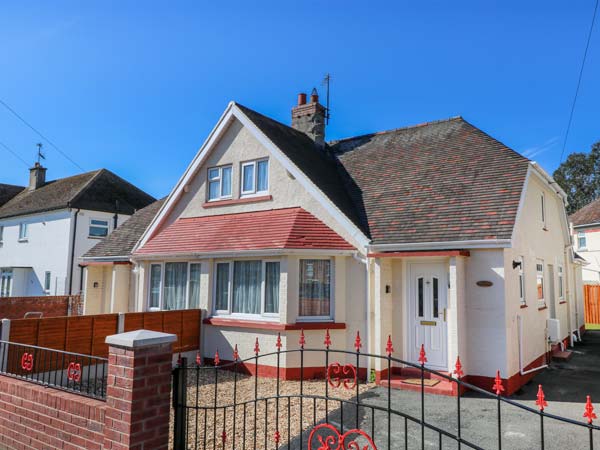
(427, 314)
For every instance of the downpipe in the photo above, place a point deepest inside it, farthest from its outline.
(520, 334)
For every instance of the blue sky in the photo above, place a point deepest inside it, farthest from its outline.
(136, 90)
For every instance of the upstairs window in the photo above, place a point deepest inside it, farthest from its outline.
(543, 209)
(539, 266)
(219, 183)
(522, 282)
(255, 177)
(561, 293)
(23, 232)
(98, 228)
(581, 240)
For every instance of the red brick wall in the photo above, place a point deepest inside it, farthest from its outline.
(32, 416)
(50, 306)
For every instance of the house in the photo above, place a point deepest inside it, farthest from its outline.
(586, 238)
(8, 191)
(109, 281)
(436, 235)
(48, 225)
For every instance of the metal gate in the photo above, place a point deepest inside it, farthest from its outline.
(260, 403)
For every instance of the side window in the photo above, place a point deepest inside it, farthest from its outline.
(561, 294)
(522, 282)
(98, 228)
(543, 209)
(581, 240)
(1, 233)
(47, 281)
(23, 232)
(539, 267)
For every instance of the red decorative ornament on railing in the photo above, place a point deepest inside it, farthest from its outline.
(236, 354)
(74, 372)
(338, 375)
(224, 437)
(589, 411)
(217, 358)
(278, 343)
(541, 399)
(327, 341)
(302, 341)
(357, 342)
(329, 438)
(389, 348)
(422, 355)
(198, 358)
(27, 362)
(276, 437)
(256, 348)
(458, 369)
(497, 387)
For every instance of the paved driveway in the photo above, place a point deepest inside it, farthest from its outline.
(565, 385)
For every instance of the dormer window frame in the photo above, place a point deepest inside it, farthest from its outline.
(256, 188)
(215, 176)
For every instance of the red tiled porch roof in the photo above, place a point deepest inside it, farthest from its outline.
(289, 228)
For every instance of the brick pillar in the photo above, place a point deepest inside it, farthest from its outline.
(138, 391)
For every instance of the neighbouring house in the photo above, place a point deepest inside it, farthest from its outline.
(586, 238)
(48, 225)
(109, 281)
(436, 235)
(8, 191)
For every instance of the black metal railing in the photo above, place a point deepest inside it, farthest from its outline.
(73, 372)
(220, 407)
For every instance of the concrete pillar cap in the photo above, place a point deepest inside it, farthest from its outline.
(140, 339)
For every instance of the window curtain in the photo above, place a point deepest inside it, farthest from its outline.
(175, 284)
(222, 288)
(272, 287)
(246, 287)
(315, 287)
(194, 286)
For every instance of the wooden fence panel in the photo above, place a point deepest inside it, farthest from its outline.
(52, 333)
(172, 324)
(133, 321)
(104, 325)
(592, 303)
(190, 335)
(79, 334)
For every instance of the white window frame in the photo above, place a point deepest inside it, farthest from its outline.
(581, 235)
(521, 275)
(1, 233)
(561, 284)
(229, 311)
(254, 191)
(221, 196)
(331, 315)
(23, 232)
(161, 296)
(91, 224)
(6, 283)
(540, 275)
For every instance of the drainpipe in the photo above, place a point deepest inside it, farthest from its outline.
(73, 252)
(521, 371)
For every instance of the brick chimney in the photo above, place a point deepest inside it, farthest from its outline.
(310, 117)
(37, 176)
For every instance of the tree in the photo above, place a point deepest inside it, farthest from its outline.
(579, 176)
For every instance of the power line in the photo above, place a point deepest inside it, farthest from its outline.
(587, 46)
(15, 154)
(14, 113)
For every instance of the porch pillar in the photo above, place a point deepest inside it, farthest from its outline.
(456, 312)
(383, 310)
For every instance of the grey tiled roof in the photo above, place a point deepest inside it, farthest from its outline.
(121, 241)
(100, 190)
(8, 191)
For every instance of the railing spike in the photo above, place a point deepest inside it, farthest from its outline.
(422, 355)
(217, 358)
(589, 411)
(236, 354)
(277, 437)
(498, 388)
(541, 399)
(389, 347)
(357, 342)
(278, 343)
(458, 368)
(327, 341)
(256, 347)
(302, 341)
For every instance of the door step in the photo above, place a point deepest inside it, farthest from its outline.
(410, 379)
(561, 356)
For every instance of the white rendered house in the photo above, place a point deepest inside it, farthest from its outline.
(47, 226)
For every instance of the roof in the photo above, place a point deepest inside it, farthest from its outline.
(437, 182)
(99, 190)
(318, 165)
(288, 228)
(8, 191)
(589, 214)
(121, 241)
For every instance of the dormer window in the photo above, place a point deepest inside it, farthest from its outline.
(219, 183)
(255, 177)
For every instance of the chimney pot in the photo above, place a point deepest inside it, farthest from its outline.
(301, 99)
(314, 96)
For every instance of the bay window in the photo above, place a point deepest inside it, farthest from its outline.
(219, 183)
(174, 285)
(255, 177)
(247, 287)
(315, 288)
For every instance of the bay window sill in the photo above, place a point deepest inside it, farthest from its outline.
(238, 201)
(272, 325)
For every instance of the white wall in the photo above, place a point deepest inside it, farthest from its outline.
(591, 252)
